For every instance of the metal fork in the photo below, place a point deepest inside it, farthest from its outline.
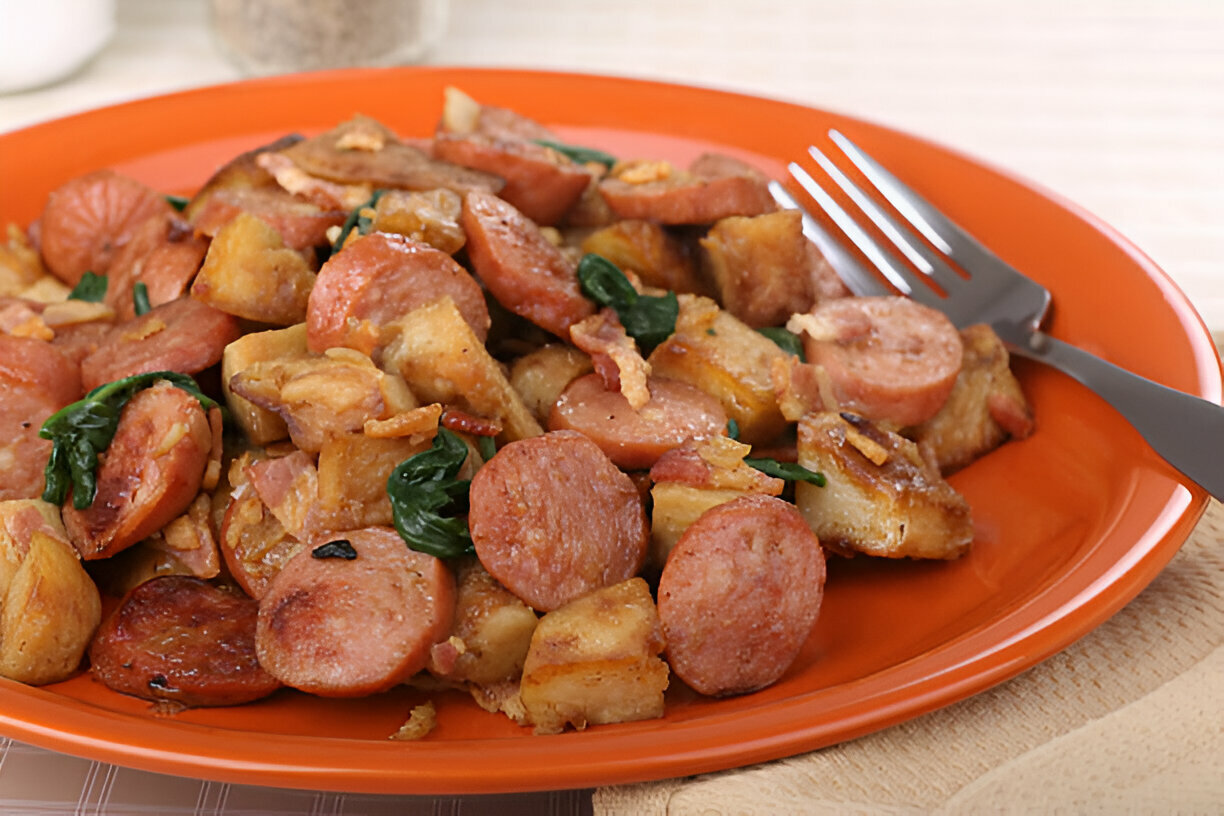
(1186, 430)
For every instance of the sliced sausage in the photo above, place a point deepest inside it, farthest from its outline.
(183, 335)
(526, 273)
(635, 440)
(540, 182)
(347, 627)
(739, 595)
(88, 219)
(182, 639)
(379, 278)
(36, 380)
(164, 254)
(890, 359)
(552, 518)
(715, 187)
(152, 471)
(254, 543)
(301, 224)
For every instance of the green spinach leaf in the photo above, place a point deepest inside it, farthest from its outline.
(647, 319)
(580, 155)
(428, 502)
(84, 429)
(140, 298)
(785, 340)
(356, 221)
(90, 288)
(790, 471)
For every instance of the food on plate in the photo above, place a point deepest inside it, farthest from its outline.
(481, 413)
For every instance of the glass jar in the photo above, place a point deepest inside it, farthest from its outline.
(283, 36)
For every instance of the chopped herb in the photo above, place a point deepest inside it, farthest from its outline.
(428, 502)
(91, 288)
(356, 221)
(733, 429)
(647, 319)
(785, 340)
(790, 471)
(340, 548)
(178, 202)
(580, 155)
(84, 429)
(140, 298)
(711, 332)
(486, 446)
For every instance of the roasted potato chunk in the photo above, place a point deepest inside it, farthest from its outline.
(882, 497)
(260, 425)
(648, 250)
(713, 350)
(250, 273)
(595, 660)
(541, 376)
(431, 217)
(50, 606)
(437, 354)
(986, 406)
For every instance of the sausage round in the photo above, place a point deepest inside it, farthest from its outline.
(739, 595)
(889, 358)
(717, 187)
(152, 471)
(635, 440)
(527, 274)
(552, 518)
(179, 638)
(381, 277)
(341, 627)
(183, 335)
(89, 218)
(36, 380)
(164, 253)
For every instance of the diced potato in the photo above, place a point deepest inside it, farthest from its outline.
(51, 606)
(20, 264)
(595, 660)
(436, 353)
(540, 376)
(713, 350)
(647, 249)
(431, 217)
(249, 272)
(986, 406)
(259, 424)
(421, 720)
(761, 266)
(494, 628)
(676, 506)
(353, 472)
(882, 497)
(323, 395)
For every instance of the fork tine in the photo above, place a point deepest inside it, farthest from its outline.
(936, 227)
(918, 253)
(896, 272)
(852, 273)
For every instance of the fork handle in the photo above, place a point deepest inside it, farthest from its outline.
(1186, 430)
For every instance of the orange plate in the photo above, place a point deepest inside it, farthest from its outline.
(1072, 522)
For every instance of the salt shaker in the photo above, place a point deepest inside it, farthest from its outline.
(283, 36)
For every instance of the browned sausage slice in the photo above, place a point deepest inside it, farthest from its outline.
(635, 440)
(301, 224)
(552, 518)
(379, 278)
(164, 254)
(526, 273)
(739, 595)
(889, 358)
(347, 627)
(35, 382)
(179, 638)
(540, 182)
(86, 220)
(715, 187)
(152, 471)
(183, 335)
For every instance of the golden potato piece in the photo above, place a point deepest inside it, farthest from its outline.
(259, 424)
(648, 250)
(435, 351)
(541, 376)
(250, 273)
(882, 498)
(761, 266)
(50, 604)
(595, 660)
(713, 350)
